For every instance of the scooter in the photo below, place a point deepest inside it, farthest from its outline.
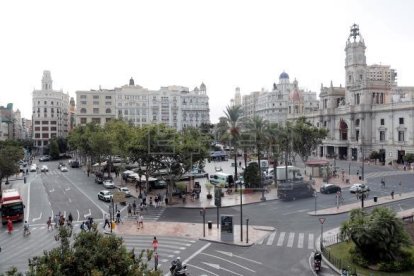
(317, 261)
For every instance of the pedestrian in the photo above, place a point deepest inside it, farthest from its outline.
(155, 244)
(49, 224)
(239, 163)
(106, 221)
(156, 200)
(357, 172)
(383, 183)
(129, 209)
(150, 203)
(9, 226)
(156, 261)
(56, 220)
(88, 171)
(83, 226)
(118, 216)
(70, 218)
(134, 207)
(392, 194)
(400, 184)
(140, 221)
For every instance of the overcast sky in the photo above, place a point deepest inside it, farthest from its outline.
(225, 44)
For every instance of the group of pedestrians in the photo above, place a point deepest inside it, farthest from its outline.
(58, 221)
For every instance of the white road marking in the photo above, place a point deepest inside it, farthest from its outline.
(88, 214)
(70, 200)
(260, 241)
(281, 239)
(67, 189)
(233, 255)
(217, 266)
(233, 263)
(34, 219)
(78, 215)
(300, 240)
(291, 239)
(271, 238)
(205, 270)
(310, 240)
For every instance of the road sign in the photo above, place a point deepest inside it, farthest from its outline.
(322, 220)
(119, 197)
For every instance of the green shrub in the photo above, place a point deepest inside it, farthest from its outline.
(181, 186)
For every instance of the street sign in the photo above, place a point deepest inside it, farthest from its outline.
(118, 197)
(322, 220)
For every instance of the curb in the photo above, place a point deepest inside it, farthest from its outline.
(213, 207)
(228, 243)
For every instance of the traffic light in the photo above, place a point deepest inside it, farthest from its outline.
(217, 197)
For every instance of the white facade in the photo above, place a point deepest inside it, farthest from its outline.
(371, 113)
(274, 106)
(175, 106)
(50, 115)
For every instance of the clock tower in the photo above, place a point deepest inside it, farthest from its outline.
(355, 60)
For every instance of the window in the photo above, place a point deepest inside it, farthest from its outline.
(400, 136)
(95, 102)
(45, 102)
(401, 121)
(45, 135)
(107, 119)
(45, 122)
(53, 122)
(109, 103)
(83, 102)
(45, 128)
(83, 96)
(51, 103)
(382, 122)
(83, 120)
(108, 110)
(96, 111)
(37, 122)
(357, 123)
(108, 97)
(37, 135)
(96, 120)
(37, 128)
(96, 97)
(45, 110)
(53, 128)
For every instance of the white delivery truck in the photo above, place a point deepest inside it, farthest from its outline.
(293, 173)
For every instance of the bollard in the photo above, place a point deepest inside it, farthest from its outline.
(210, 224)
(24, 179)
(247, 230)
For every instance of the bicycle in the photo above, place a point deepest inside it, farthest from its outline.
(26, 232)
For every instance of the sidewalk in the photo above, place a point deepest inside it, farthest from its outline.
(367, 203)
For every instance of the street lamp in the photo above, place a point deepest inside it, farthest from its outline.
(315, 195)
(362, 194)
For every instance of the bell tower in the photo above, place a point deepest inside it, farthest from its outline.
(355, 60)
(47, 80)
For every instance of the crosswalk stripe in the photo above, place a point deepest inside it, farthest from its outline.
(271, 238)
(300, 240)
(291, 239)
(281, 239)
(310, 241)
(260, 241)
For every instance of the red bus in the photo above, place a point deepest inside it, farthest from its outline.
(12, 206)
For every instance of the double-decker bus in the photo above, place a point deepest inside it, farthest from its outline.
(12, 206)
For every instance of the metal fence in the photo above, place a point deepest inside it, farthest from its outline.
(342, 265)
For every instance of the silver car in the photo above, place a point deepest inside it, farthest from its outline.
(105, 195)
(109, 184)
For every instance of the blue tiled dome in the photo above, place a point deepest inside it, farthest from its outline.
(284, 75)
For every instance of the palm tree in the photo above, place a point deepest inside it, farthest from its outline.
(256, 126)
(233, 114)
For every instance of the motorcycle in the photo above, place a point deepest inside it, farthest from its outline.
(317, 261)
(177, 270)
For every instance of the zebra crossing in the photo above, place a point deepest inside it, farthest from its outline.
(288, 240)
(149, 214)
(16, 249)
(385, 173)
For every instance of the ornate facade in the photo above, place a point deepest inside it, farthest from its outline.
(371, 113)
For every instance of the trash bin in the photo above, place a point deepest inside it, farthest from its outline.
(375, 199)
(113, 224)
(210, 224)
(166, 201)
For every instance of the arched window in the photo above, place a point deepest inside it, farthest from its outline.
(108, 110)
(343, 130)
(83, 110)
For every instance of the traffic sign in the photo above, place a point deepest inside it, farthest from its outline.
(118, 197)
(322, 220)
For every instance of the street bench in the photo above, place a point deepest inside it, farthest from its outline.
(408, 218)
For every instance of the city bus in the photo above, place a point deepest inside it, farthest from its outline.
(12, 206)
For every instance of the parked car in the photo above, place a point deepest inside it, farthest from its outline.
(63, 169)
(160, 184)
(74, 164)
(125, 190)
(44, 168)
(109, 184)
(105, 195)
(358, 187)
(33, 168)
(329, 188)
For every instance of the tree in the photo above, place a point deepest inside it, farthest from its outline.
(10, 154)
(272, 138)
(409, 158)
(306, 137)
(54, 149)
(233, 114)
(378, 236)
(252, 176)
(91, 253)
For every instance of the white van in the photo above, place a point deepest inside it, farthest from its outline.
(293, 173)
(221, 178)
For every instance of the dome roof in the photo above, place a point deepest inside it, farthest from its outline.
(284, 75)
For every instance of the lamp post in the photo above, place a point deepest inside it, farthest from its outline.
(315, 195)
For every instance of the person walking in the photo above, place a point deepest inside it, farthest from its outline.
(49, 224)
(383, 183)
(106, 222)
(118, 216)
(156, 261)
(9, 226)
(56, 220)
(392, 194)
(155, 244)
(140, 221)
(70, 218)
(134, 207)
(129, 210)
